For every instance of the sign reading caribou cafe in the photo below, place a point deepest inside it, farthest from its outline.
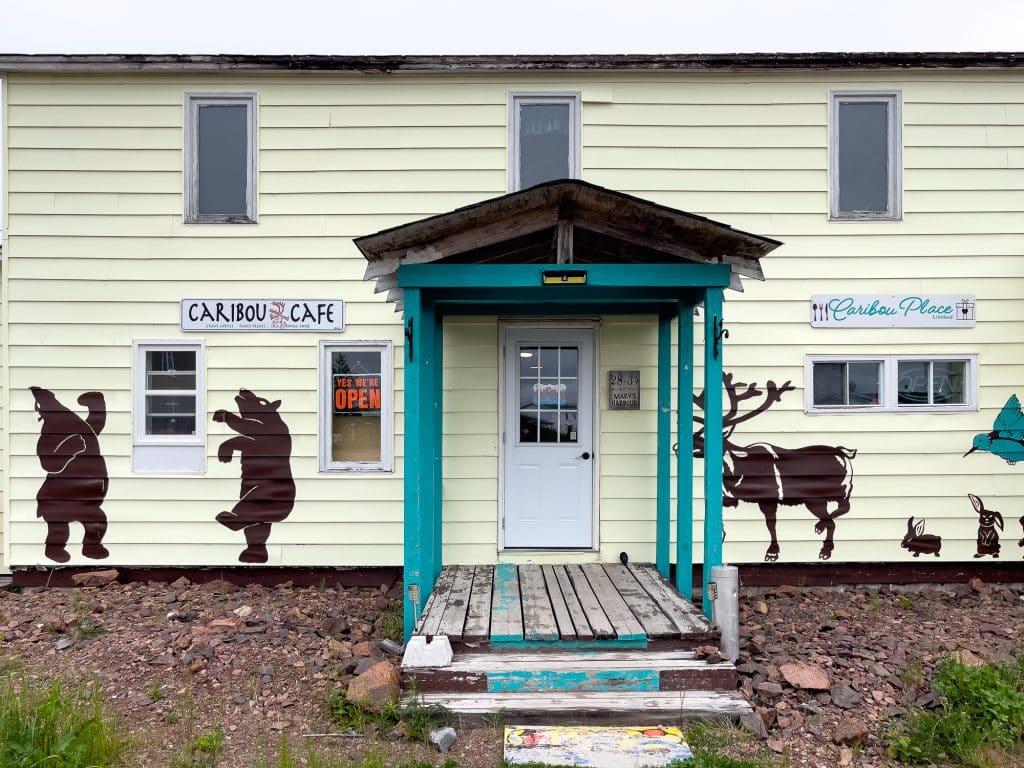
(892, 311)
(262, 315)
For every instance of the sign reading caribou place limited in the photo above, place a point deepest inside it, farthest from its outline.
(262, 315)
(892, 311)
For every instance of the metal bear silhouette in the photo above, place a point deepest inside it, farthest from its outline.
(1006, 440)
(76, 475)
(769, 475)
(267, 494)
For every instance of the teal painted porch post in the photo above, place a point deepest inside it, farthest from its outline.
(416, 559)
(436, 438)
(424, 349)
(684, 456)
(664, 509)
(714, 336)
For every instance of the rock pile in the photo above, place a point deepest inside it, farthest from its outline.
(828, 670)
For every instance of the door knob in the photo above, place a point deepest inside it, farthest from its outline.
(585, 455)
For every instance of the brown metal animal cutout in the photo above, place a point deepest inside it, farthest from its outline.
(267, 494)
(76, 475)
(988, 521)
(768, 475)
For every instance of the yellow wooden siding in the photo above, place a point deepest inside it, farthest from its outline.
(98, 256)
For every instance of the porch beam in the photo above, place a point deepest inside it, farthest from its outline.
(714, 337)
(573, 309)
(663, 534)
(507, 276)
(561, 295)
(684, 455)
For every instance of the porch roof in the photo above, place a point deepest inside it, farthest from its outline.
(567, 221)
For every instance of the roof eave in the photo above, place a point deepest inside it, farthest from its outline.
(509, 63)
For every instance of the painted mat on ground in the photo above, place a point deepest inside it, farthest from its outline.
(596, 747)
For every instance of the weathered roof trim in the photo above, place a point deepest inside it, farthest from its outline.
(502, 63)
(684, 236)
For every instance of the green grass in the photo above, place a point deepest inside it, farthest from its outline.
(391, 622)
(375, 758)
(202, 750)
(709, 739)
(980, 723)
(55, 727)
(419, 718)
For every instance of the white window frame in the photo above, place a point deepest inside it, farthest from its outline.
(889, 384)
(387, 405)
(894, 99)
(167, 453)
(193, 100)
(573, 98)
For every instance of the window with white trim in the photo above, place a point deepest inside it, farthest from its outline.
(220, 158)
(891, 383)
(169, 408)
(865, 155)
(544, 138)
(356, 406)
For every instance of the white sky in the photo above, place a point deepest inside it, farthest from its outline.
(509, 26)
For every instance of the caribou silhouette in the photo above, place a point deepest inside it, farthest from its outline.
(769, 475)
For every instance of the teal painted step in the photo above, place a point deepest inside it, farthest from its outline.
(550, 680)
(568, 672)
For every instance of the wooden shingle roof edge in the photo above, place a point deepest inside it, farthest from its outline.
(675, 233)
(11, 62)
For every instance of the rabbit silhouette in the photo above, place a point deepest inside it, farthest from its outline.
(918, 542)
(988, 521)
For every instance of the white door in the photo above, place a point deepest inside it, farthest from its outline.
(548, 476)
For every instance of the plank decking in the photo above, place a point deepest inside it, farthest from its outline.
(590, 604)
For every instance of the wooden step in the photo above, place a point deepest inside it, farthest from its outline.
(578, 708)
(565, 672)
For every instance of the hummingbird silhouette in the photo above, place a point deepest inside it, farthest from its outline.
(1006, 440)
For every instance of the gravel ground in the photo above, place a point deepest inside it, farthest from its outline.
(827, 670)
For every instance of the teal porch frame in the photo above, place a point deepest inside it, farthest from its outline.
(668, 291)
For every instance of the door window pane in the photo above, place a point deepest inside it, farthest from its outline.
(548, 394)
(548, 423)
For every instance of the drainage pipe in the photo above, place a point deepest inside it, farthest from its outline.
(724, 607)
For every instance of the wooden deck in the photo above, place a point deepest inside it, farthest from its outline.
(594, 604)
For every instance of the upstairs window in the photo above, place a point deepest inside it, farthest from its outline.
(544, 141)
(220, 158)
(865, 155)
